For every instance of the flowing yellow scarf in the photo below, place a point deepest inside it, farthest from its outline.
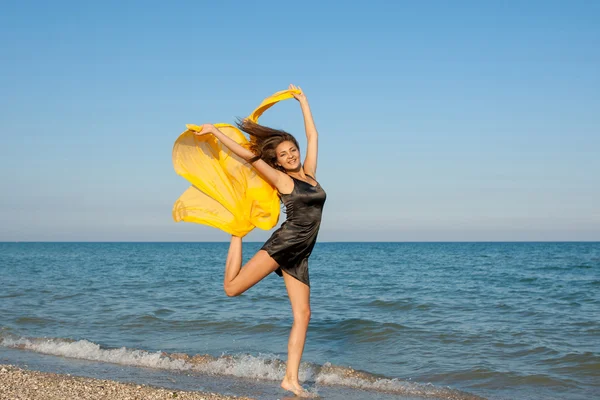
(226, 191)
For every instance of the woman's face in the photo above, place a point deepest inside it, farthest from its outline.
(288, 155)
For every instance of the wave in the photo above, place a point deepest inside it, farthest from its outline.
(398, 305)
(263, 366)
(34, 320)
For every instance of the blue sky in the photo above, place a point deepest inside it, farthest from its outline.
(438, 121)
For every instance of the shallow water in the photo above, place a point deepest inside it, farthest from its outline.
(439, 320)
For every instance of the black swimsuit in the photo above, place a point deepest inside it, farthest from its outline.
(292, 243)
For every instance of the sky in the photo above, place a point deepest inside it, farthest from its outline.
(437, 120)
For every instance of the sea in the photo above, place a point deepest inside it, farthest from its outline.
(389, 320)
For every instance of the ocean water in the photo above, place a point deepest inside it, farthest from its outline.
(389, 320)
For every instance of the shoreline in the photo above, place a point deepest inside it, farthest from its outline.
(21, 383)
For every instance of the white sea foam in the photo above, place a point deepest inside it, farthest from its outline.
(263, 366)
(86, 350)
(381, 384)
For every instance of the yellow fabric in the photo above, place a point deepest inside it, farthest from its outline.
(271, 101)
(226, 192)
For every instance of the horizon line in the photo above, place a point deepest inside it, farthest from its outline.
(351, 241)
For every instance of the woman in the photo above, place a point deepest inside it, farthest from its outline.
(275, 154)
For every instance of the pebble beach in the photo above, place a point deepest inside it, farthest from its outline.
(20, 384)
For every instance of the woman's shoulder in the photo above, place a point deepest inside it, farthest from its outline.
(286, 184)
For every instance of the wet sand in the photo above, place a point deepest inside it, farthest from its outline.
(17, 383)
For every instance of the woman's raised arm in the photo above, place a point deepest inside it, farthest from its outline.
(272, 175)
(312, 142)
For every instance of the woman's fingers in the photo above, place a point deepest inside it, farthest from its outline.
(294, 87)
(298, 96)
(205, 129)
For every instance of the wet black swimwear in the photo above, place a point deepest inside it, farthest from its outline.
(292, 243)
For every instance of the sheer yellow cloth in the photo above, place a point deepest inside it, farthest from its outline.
(226, 191)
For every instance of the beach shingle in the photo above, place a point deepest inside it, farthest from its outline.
(21, 384)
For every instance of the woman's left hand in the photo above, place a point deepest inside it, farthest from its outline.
(298, 96)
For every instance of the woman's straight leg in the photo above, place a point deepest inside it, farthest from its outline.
(299, 294)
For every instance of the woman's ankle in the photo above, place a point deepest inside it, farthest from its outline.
(291, 379)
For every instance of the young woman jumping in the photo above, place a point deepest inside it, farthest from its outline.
(275, 155)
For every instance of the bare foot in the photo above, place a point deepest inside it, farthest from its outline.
(295, 388)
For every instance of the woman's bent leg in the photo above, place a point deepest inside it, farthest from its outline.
(234, 259)
(237, 279)
(299, 294)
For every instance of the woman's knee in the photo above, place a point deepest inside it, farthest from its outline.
(231, 290)
(302, 316)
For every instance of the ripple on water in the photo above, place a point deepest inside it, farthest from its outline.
(34, 321)
(163, 312)
(11, 295)
(578, 364)
(395, 305)
(505, 378)
(66, 296)
(358, 330)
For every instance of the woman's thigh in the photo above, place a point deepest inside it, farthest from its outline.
(259, 266)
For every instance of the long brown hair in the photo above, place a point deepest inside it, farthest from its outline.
(264, 141)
